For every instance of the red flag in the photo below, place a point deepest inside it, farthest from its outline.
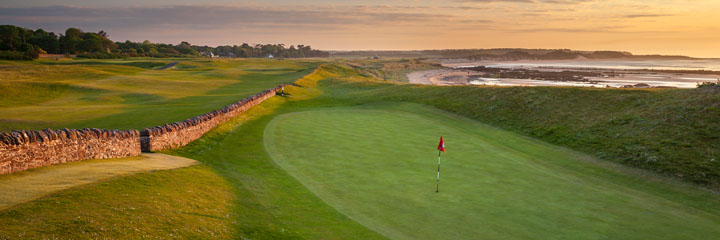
(441, 145)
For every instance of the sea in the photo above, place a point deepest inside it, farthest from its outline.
(694, 64)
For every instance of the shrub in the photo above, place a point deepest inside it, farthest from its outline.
(708, 84)
(14, 55)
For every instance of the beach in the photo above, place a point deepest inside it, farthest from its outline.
(603, 73)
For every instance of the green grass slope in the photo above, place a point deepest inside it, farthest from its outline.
(322, 177)
(270, 204)
(673, 131)
(342, 167)
(376, 164)
(189, 203)
(130, 94)
(33, 184)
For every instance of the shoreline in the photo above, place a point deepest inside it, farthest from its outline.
(458, 72)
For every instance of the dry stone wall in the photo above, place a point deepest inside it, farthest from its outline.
(22, 150)
(181, 133)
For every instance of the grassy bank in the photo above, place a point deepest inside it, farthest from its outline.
(391, 70)
(672, 131)
(130, 94)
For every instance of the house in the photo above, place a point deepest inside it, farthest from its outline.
(209, 54)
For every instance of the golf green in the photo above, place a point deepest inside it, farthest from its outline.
(376, 164)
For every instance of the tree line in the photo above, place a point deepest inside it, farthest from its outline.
(504, 54)
(17, 43)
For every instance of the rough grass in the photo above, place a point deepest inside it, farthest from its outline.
(14, 94)
(391, 70)
(191, 202)
(129, 94)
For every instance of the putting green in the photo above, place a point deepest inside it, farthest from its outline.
(377, 166)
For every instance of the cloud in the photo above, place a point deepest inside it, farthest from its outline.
(648, 15)
(205, 16)
(219, 25)
(464, 8)
(475, 21)
(569, 30)
(492, 1)
(529, 1)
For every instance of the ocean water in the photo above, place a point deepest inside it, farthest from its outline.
(696, 64)
(605, 82)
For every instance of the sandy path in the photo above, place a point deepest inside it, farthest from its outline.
(33, 184)
(423, 77)
(442, 77)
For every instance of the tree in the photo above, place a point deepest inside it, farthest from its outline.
(45, 40)
(103, 34)
(69, 42)
(9, 34)
(90, 42)
(21, 43)
(73, 33)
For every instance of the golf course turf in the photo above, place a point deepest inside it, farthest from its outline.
(348, 157)
(377, 166)
(130, 94)
(317, 165)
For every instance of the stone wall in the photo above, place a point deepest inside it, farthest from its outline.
(181, 133)
(22, 150)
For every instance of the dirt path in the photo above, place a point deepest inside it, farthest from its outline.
(33, 184)
(442, 77)
(169, 65)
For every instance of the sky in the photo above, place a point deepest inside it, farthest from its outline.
(671, 27)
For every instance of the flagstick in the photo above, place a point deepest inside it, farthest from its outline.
(437, 184)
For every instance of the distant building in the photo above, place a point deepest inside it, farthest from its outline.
(209, 54)
(270, 56)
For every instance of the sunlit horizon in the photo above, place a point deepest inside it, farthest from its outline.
(667, 27)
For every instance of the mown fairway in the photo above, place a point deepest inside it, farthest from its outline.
(127, 94)
(377, 166)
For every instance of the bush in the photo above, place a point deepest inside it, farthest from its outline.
(708, 84)
(13, 55)
(34, 52)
